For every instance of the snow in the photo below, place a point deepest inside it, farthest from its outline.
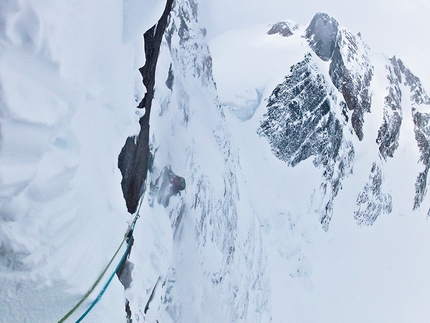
(134, 24)
(243, 58)
(243, 242)
(67, 106)
(350, 273)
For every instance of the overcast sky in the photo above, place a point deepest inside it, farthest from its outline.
(396, 27)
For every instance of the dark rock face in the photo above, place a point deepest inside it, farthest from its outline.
(305, 117)
(372, 201)
(420, 103)
(282, 28)
(125, 273)
(350, 69)
(300, 123)
(351, 73)
(134, 156)
(170, 79)
(403, 82)
(389, 132)
(182, 32)
(419, 100)
(321, 34)
(422, 136)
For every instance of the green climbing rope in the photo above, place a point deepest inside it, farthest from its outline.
(127, 235)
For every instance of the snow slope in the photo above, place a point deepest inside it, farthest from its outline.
(67, 105)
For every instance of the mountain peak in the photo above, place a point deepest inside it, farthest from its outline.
(322, 34)
(283, 28)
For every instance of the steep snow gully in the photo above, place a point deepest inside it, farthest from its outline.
(280, 171)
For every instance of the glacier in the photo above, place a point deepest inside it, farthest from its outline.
(305, 156)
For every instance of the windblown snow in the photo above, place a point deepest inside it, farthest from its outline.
(305, 157)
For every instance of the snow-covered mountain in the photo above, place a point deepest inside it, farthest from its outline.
(313, 114)
(283, 169)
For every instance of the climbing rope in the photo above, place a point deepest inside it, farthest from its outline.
(127, 237)
(130, 239)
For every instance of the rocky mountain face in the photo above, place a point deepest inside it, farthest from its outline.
(187, 120)
(301, 123)
(388, 134)
(312, 113)
(318, 112)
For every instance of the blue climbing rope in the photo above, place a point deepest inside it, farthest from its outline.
(130, 239)
(127, 237)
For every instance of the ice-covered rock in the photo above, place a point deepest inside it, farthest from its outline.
(372, 201)
(322, 34)
(312, 112)
(283, 28)
(351, 72)
(389, 132)
(300, 123)
(189, 136)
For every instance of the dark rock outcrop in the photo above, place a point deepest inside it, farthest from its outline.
(389, 132)
(422, 136)
(372, 201)
(300, 123)
(351, 72)
(306, 119)
(282, 28)
(402, 83)
(350, 69)
(182, 32)
(322, 34)
(170, 79)
(420, 103)
(134, 157)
